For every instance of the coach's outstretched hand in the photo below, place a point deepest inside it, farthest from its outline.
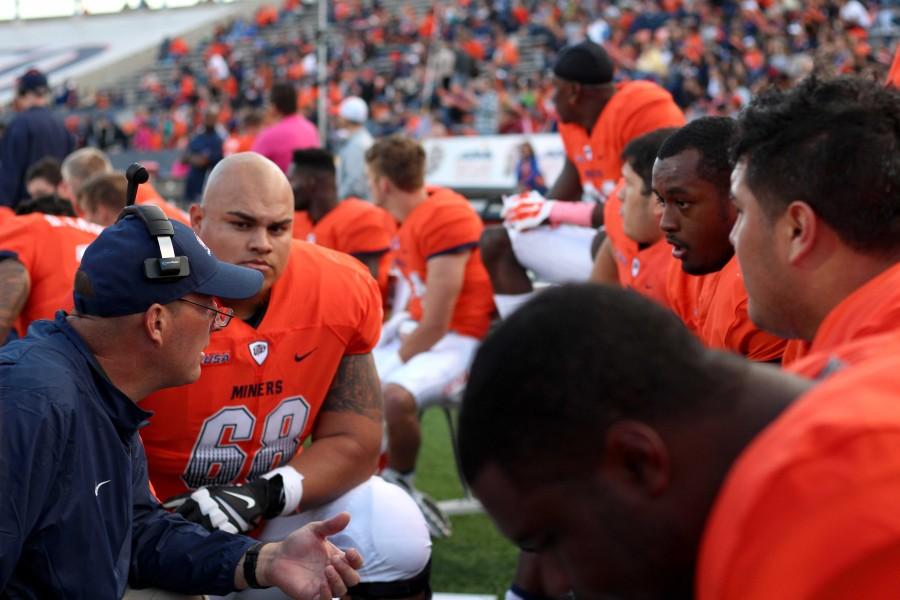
(306, 566)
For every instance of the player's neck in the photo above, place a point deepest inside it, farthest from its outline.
(408, 202)
(322, 204)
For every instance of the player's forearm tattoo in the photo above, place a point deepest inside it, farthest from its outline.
(356, 388)
(14, 287)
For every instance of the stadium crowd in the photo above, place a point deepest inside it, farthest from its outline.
(704, 403)
(479, 67)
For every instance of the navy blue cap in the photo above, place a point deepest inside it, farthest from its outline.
(32, 81)
(111, 281)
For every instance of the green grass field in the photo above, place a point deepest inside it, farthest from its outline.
(476, 558)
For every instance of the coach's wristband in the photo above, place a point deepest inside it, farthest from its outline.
(572, 213)
(293, 487)
(250, 558)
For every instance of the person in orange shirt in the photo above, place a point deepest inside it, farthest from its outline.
(295, 364)
(39, 255)
(809, 508)
(684, 469)
(597, 119)
(704, 285)
(817, 234)
(424, 356)
(634, 253)
(351, 225)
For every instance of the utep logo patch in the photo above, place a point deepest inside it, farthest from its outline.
(635, 267)
(216, 358)
(259, 351)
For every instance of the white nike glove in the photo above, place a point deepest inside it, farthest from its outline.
(231, 508)
(526, 210)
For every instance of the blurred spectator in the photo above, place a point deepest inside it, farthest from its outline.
(80, 166)
(203, 152)
(102, 198)
(34, 133)
(292, 131)
(352, 182)
(528, 174)
(43, 178)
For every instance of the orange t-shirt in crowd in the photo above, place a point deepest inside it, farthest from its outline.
(260, 389)
(871, 310)
(147, 194)
(443, 224)
(50, 248)
(354, 226)
(642, 269)
(637, 107)
(714, 307)
(809, 509)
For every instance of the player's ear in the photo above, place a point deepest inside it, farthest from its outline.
(800, 229)
(157, 320)
(196, 213)
(636, 459)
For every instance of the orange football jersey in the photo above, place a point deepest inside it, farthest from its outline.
(869, 312)
(6, 214)
(261, 389)
(147, 194)
(642, 269)
(353, 227)
(50, 247)
(637, 107)
(714, 307)
(444, 223)
(809, 509)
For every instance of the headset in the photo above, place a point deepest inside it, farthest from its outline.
(167, 266)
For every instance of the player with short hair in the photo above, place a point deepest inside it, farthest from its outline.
(423, 356)
(633, 448)
(348, 225)
(295, 364)
(597, 119)
(634, 253)
(101, 198)
(818, 227)
(704, 285)
(43, 177)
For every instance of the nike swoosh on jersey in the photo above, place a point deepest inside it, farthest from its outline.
(250, 501)
(99, 485)
(299, 357)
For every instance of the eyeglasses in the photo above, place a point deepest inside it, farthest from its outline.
(222, 316)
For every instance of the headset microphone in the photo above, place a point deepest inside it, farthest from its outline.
(167, 266)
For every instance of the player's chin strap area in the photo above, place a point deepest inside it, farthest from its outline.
(167, 266)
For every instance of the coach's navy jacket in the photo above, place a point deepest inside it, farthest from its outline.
(77, 519)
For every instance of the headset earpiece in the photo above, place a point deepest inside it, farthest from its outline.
(167, 266)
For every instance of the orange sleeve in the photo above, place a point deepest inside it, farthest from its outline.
(371, 316)
(452, 228)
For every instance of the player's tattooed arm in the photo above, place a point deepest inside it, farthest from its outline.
(14, 288)
(355, 388)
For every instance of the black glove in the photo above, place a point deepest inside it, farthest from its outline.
(231, 508)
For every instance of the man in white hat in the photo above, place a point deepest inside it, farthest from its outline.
(353, 113)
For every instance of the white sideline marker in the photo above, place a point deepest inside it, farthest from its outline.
(460, 506)
(464, 597)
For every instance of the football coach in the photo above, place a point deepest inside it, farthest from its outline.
(77, 516)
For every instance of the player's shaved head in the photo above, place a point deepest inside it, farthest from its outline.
(246, 218)
(245, 173)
